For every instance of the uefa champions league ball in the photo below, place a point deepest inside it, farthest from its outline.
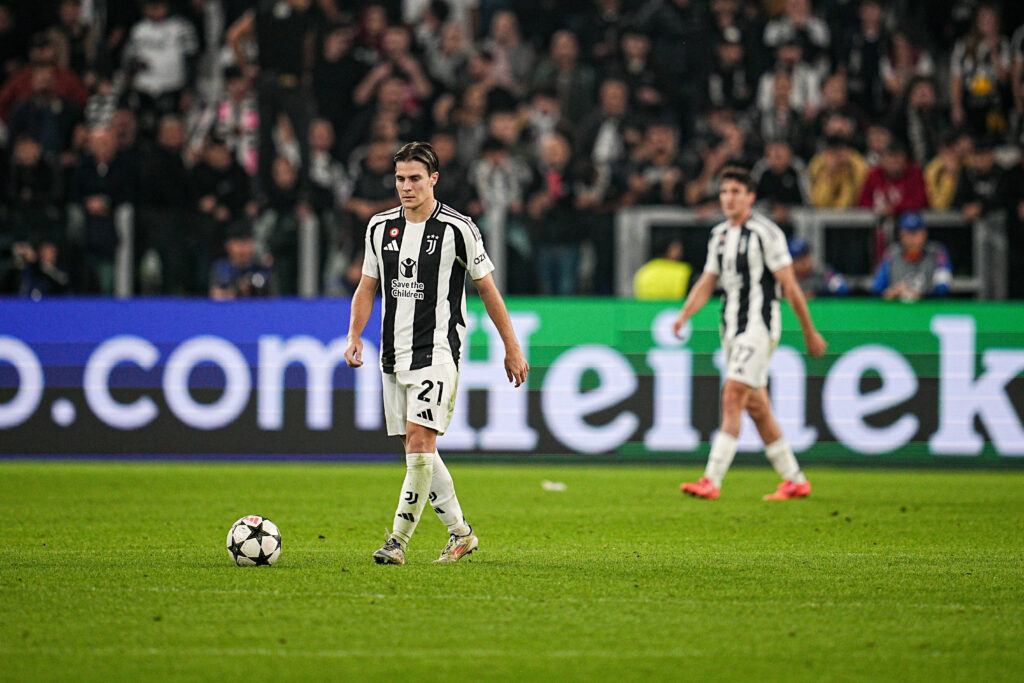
(254, 541)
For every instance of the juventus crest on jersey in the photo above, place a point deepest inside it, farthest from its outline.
(422, 270)
(745, 258)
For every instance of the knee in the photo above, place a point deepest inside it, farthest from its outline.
(732, 400)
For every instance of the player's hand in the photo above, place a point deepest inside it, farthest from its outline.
(516, 367)
(354, 353)
(678, 325)
(816, 344)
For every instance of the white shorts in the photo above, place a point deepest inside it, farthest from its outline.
(425, 397)
(747, 356)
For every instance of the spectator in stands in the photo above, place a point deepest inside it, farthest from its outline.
(390, 103)
(635, 67)
(103, 181)
(284, 34)
(336, 74)
(452, 186)
(895, 185)
(32, 193)
(241, 274)
(942, 174)
(798, 26)
(223, 191)
(278, 225)
(234, 119)
(921, 122)
(608, 131)
(859, 54)
(160, 57)
(780, 121)
(1012, 201)
(837, 175)
(13, 42)
(374, 183)
(166, 220)
(729, 149)
(500, 182)
(600, 31)
(666, 277)
(446, 63)
(914, 267)
(730, 82)
(551, 210)
(1017, 78)
(977, 192)
(77, 45)
(979, 72)
(838, 116)
(44, 115)
(805, 81)
(514, 58)
(814, 280)
(34, 271)
(656, 174)
(574, 82)
(66, 84)
(782, 182)
(877, 140)
(904, 64)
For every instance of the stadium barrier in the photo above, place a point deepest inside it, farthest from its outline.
(922, 383)
(980, 272)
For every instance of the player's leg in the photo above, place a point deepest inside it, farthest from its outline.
(794, 483)
(420, 444)
(461, 539)
(723, 446)
(444, 501)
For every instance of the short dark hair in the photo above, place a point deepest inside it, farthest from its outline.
(740, 175)
(421, 152)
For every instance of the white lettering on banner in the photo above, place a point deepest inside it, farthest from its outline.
(565, 405)
(508, 426)
(845, 407)
(673, 385)
(788, 375)
(319, 363)
(30, 382)
(237, 382)
(369, 406)
(962, 397)
(96, 381)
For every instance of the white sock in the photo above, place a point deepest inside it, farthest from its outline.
(781, 456)
(418, 470)
(723, 450)
(444, 500)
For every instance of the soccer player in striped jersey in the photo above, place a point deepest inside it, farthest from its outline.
(749, 257)
(420, 252)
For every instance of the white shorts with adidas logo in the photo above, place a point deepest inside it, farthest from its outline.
(425, 397)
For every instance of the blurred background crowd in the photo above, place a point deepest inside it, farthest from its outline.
(221, 128)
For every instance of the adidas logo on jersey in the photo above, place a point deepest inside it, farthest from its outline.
(426, 415)
(391, 246)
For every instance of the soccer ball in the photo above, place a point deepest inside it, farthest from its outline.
(254, 541)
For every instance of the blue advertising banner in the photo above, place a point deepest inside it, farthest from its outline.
(267, 379)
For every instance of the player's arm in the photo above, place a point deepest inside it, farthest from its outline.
(815, 343)
(243, 27)
(362, 307)
(516, 367)
(695, 300)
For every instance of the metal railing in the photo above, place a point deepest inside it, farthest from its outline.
(987, 280)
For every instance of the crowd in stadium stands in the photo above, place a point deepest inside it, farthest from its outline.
(229, 126)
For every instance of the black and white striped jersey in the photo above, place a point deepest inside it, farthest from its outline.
(422, 271)
(744, 258)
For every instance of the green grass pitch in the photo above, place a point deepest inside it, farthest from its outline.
(118, 571)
